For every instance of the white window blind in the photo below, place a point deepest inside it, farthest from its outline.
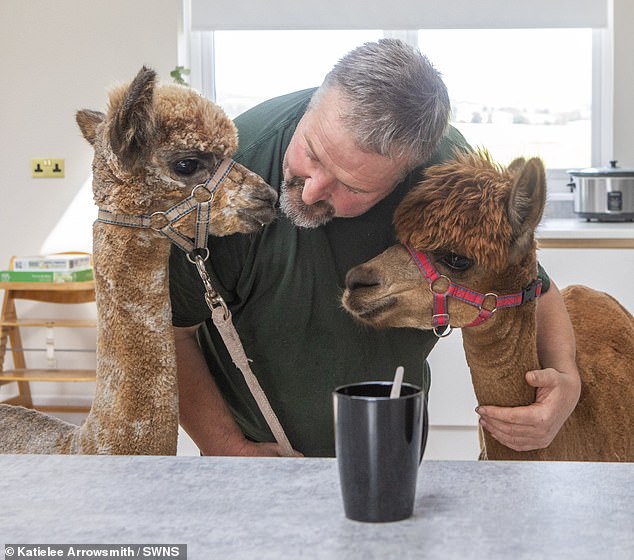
(397, 14)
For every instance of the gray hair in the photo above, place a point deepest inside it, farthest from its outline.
(395, 102)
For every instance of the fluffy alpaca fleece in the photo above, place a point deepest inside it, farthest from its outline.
(154, 144)
(461, 196)
(472, 208)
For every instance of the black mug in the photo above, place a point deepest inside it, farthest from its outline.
(379, 444)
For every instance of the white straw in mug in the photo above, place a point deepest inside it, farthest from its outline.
(396, 385)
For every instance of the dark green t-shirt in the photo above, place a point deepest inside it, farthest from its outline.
(283, 286)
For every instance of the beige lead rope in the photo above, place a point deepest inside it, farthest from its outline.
(222, 320)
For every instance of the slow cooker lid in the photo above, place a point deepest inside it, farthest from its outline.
(612, 171)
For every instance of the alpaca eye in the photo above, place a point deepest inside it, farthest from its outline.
(456, 262)
(185, 166)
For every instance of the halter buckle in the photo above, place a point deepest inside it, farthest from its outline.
(532, 291)
(438, 322)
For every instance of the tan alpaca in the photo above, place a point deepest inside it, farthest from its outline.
(475, 223)
(152, 147)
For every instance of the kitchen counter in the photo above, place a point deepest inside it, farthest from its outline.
(291, 508)
(577, 233)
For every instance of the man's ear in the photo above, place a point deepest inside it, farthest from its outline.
(132, 125)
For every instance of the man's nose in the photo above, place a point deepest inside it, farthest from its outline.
(317, 187)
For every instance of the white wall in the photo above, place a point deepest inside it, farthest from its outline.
(623, 103)
(55, 58)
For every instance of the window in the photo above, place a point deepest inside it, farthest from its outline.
(519, 91)
(513, 91)
(253, 66)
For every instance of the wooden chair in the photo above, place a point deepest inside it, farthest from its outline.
(10, 325)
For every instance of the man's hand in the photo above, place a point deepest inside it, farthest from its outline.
(203, 413)
(525, 428)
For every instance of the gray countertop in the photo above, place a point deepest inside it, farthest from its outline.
(580, 234)
(291, 508)
(581, 229)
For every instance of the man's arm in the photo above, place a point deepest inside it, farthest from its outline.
(203, 413)
(558, 385)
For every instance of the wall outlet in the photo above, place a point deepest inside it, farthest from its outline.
(47, 167)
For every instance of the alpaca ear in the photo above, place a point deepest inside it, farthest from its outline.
(88, 122)
(132, 126)
(516, 166)
(526, 203)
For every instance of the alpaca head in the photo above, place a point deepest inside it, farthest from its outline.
(475, 221)
(156, 143)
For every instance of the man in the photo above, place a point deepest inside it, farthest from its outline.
(343, 158)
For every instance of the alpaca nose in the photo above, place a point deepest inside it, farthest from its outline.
(362, 277)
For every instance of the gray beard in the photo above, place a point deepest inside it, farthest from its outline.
(297, 211)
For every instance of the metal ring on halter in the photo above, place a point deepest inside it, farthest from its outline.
(204, 250)
(495, 306)
(448, 330)
(440, 277)
(202, 187)
(155, 217)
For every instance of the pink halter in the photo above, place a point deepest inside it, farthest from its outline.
(440, 316)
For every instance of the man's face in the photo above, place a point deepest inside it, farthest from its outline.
(326, 175)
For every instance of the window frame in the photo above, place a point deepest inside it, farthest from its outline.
(201, 51)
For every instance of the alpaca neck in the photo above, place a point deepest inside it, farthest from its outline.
(135, 409)
(499, 353)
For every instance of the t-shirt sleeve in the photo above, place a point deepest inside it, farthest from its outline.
(187, 293)
(543, 276)
(187, 290)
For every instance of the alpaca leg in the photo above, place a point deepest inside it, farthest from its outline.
(24, 430)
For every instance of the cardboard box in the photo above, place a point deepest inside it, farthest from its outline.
(46, 276)
(63, 262)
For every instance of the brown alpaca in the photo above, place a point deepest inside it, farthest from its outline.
(475, 222)
(152, 147)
